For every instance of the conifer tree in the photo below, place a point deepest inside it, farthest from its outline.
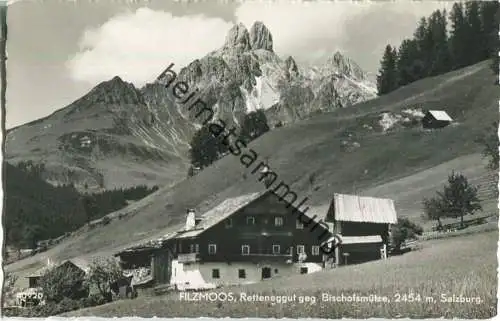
(387, 79)
(458, 36)
(409, 66)
(475, 38)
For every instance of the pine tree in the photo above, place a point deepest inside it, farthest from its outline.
(489, 11)
(459, 36)
(439, 58)
(424, 41)
(457, 199)
(409, 66)
(475, 38)
(205, 147)
(387, 79)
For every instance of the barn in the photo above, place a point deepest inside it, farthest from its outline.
(361, 227)
(436, 119)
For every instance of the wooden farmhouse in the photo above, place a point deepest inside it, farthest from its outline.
(436, 119)
(361, 227)
(256, 237)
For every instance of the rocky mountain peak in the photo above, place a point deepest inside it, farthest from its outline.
(238, 38)
(261, 37)
(114, 91)
(345, 66)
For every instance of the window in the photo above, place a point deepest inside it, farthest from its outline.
(303, 270)
(242, 274)
(278, 221)
(276, 271)
(299, 225)
(276, 249)
(245, 249)
(250, 220)
(215, 274)
(315, 250)
(212, 248)
(300, 249)
(194, 248)
(229, 223)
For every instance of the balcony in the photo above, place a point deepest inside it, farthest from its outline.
(268, 255)
(187, 257)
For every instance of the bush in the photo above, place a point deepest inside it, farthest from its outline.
(106, 220)
(69, 305)
(402, 231)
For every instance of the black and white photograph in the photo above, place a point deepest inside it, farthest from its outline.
(250, 159)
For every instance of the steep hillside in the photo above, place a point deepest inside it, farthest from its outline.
(36, 210)
(118, 135)
(348, 150)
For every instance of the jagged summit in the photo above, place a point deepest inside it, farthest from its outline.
(238, 38)
(261, 37)
(345, 66)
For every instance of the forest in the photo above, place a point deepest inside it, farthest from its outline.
(35, 210)
(441, 43)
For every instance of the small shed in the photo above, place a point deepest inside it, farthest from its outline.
(436, 119)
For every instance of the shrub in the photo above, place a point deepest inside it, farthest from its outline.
(69, 305)
(402, 231)
(106, 220)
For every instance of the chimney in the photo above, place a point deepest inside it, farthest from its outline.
(190, 219)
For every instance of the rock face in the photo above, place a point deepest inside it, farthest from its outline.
(118, 135)
(260, 37)
(238, 38)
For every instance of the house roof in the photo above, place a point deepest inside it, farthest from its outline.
(220, 212)
(156, 243)
(353, 208)
(440, 115)
(208, 219)
(38, 273)
(79, 262)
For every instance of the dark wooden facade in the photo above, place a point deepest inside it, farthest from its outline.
(256, 226)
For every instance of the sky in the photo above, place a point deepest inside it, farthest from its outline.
(58, 50)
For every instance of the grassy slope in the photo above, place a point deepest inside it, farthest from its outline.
(313, 146)
(436, 269)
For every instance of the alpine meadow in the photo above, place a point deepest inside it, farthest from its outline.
(277, 172)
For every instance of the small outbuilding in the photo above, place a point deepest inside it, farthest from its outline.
(436, 119)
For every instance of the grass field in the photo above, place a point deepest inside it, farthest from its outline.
(403, 164)
(464, 266)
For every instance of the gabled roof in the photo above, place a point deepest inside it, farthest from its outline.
(208, 219)
(221, 212)
(82, 264)
(78, 262)
(440, 115)
(353, 208)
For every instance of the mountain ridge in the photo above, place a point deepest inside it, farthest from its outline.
(117, 134)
